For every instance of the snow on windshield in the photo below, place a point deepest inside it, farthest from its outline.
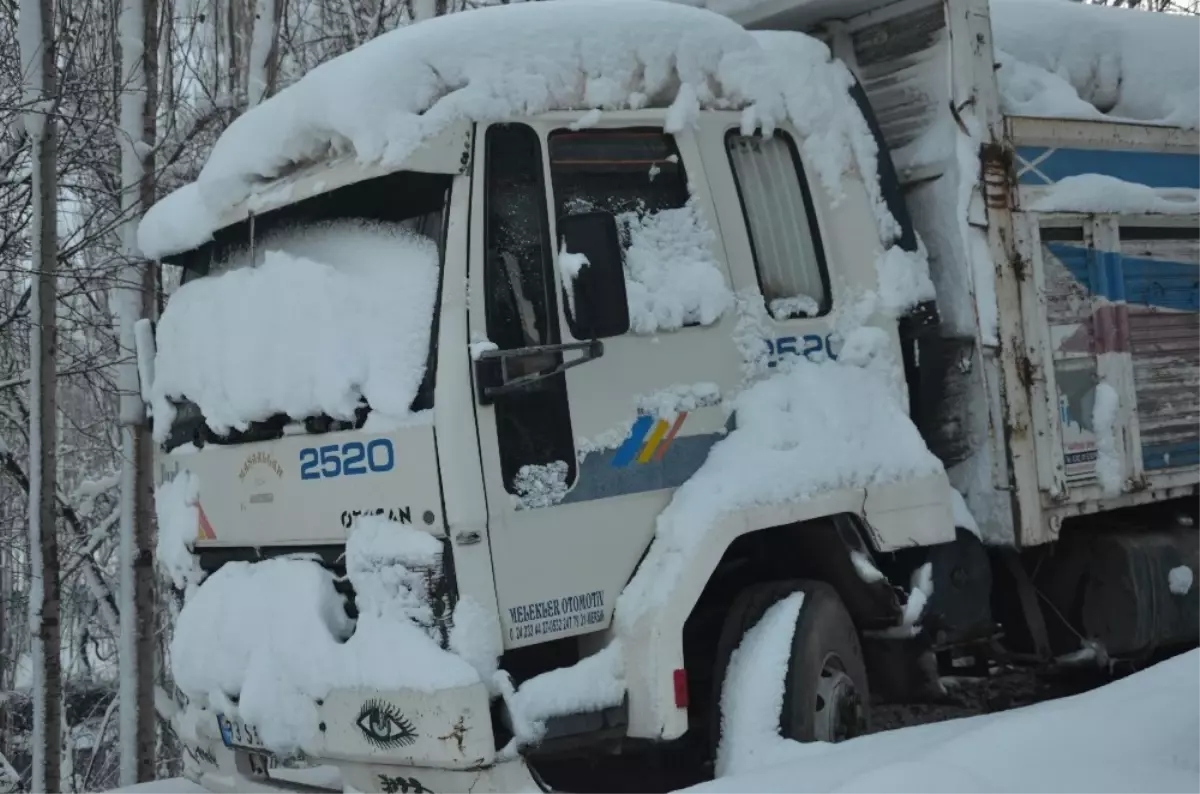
(1075, 60)
(331, 314)
(384, 99)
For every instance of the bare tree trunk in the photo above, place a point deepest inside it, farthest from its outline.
(136, 299)
(262, 50)
(143, 572)
(36, 36)
(5, 600)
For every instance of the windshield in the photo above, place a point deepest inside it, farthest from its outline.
(312, 318)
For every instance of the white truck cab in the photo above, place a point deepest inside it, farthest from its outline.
(607, 286)
(558, 415)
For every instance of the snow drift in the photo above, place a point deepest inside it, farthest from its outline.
(1137, 734)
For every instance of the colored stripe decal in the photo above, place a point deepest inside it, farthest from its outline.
(660, 430)
(627, 451)
(204, 530)
(1040, 165)
(666, 444)
(599, 479)
(1146, 282)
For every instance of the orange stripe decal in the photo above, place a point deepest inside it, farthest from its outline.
(666, 443)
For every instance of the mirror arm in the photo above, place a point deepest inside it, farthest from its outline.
(591, 350)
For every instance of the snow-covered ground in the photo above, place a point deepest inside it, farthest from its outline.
(1138, 734)
(1141, 733)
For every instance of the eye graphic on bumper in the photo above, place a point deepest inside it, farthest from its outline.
(384, 725)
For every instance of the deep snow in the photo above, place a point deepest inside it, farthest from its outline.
(1141, 733)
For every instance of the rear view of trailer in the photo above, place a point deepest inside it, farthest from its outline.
(1108, 231)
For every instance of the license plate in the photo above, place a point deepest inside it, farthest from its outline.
(237, 734)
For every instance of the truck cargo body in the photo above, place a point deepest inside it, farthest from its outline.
(1045, 291)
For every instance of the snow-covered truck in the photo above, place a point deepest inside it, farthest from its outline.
(526, 357)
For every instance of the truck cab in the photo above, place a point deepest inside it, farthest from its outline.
(559, 407)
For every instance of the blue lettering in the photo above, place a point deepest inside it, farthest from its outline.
(351, 458)
(811, 346)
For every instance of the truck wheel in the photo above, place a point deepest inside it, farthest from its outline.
(825, 694)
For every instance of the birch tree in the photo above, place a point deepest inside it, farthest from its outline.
(37, 51)
(135, 299)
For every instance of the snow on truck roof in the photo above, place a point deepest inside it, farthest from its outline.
(1058, 58)
(384, 100)
(1065, 59)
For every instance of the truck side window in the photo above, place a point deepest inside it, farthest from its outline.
(534, 423)
(784, 239)
(636, 174)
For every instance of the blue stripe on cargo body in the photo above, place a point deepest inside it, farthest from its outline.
(1171, 455)
(637, 434)
(601, 478)
(1154, 169)
(1136, 280)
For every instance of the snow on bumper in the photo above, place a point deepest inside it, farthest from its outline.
(379, 740)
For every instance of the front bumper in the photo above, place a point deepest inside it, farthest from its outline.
(227, 775)
(404, 740)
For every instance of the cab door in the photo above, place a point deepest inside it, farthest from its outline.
(578, 464)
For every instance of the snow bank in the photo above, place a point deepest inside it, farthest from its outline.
(1138, 734)
(811, 429)
(276, 634)
(334, 313)
(1100, 193)
(381, 101)
(1076, 60)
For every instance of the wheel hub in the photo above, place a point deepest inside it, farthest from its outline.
(838, 707)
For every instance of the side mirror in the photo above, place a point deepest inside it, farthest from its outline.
(593, 274)
(500, 372)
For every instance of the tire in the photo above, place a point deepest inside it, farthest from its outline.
(826, 663)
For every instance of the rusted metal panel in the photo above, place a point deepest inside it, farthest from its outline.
(902, 66)
(1161, 268)
(1071, 267)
